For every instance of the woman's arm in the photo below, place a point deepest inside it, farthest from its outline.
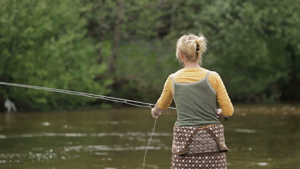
(222, 95)
(165, 99)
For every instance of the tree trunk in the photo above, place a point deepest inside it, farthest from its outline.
(116, 38)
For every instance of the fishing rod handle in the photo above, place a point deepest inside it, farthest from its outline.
(226, 118)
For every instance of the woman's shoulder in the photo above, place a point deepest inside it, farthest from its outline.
(213, 75)
(211, 72)
(176, 73)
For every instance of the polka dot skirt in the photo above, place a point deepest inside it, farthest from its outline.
(199, 147)
(201, 161)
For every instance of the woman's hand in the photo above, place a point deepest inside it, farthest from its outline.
(219, 113)
(154, 114)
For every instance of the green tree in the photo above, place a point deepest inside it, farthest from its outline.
(253, 45)
(44, 43)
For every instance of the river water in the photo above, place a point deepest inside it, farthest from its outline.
(258, 136)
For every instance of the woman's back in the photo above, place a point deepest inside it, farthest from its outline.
(204, 87)
(195, 102)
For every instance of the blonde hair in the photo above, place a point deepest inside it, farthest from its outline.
(192, 47)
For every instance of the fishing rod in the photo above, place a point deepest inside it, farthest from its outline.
(108, 98)
(113, 99)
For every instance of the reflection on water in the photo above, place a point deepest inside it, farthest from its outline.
(262, 136)
(9, 119)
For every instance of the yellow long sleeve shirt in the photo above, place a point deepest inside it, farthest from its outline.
(189, 75)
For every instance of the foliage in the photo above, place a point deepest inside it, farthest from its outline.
(252, 44)
(127, 48)
(255, 48)
(43, 43)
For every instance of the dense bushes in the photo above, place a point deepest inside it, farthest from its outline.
(127, 48)
(44, 43)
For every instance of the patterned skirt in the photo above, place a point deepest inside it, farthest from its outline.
(199, 148)
(200, 161)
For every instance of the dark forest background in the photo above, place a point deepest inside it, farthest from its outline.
(126, 48)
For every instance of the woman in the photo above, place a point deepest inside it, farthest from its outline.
(198, 139)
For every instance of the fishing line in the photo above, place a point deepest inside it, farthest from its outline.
(149, 143)
(113, 99)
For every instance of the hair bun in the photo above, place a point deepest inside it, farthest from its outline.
(191, 46)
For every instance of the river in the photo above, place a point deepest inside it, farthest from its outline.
(258, 136)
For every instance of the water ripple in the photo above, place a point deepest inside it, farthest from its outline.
(116, 134)
(245, 131)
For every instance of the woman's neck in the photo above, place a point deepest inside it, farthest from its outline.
(191, 64)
